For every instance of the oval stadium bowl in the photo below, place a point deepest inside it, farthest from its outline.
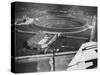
(60, 22)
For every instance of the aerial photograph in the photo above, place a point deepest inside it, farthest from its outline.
(53, 37)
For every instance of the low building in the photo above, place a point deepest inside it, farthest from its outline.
(41, 40)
